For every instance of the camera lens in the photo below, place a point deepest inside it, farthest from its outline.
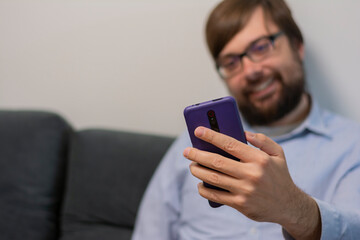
(211, 114)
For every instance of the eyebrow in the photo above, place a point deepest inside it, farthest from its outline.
(246, 49)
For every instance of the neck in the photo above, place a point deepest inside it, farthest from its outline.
(297, 115)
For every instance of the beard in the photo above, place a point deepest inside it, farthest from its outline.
(289, 98)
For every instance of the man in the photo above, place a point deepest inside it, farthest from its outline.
(311, 193)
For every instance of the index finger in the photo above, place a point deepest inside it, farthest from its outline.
(230, 145)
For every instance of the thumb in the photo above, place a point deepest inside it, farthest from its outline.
(264, 143)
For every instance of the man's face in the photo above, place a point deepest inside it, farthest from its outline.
(267, 90)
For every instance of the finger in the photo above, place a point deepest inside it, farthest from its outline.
(264, 143)
(230, 145)
(216, 162)
(215, 178)
(223, 197)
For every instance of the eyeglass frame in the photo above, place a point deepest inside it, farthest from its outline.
(240, 56)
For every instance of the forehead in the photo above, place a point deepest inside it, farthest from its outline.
(257, 26)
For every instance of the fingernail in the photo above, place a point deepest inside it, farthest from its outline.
(199, 132)
(186, 152)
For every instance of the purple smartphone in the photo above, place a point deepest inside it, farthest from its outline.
(221, 115)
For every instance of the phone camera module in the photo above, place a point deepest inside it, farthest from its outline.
(212, 120)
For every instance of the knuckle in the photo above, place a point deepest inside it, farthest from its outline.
(229, 146)
(217, 163)
(248, 191)
(255, 178)
(264, 161)
(214, 179)
(240, 201)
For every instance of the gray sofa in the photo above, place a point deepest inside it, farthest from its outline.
(60, 183)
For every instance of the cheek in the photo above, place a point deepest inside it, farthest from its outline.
(291, 71)
(236, 85)
(288, 64)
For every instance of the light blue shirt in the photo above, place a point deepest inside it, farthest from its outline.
(323, 157)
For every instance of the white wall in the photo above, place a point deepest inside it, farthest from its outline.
(134, 65)
(332, 38)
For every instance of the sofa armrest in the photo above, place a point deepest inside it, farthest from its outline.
(33, 152)
(107, 176)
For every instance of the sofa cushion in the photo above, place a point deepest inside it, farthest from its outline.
(33, 149)
(108, 173)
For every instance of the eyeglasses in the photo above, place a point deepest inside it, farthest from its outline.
(229, 65)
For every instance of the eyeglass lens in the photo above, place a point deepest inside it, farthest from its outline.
(257, 51)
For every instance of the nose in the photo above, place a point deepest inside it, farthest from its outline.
(253, 70)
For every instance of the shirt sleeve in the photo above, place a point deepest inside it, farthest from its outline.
(160, 207)
(340, 219)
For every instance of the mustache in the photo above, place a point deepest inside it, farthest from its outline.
(254, 83)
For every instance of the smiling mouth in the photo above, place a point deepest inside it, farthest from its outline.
(263, 85)
(263, 90)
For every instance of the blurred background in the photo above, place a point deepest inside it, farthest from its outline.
(134, 65)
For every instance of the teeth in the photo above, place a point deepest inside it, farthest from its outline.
(264, 85)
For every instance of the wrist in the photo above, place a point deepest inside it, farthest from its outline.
(302, 216)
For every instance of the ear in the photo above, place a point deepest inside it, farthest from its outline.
(301, 50)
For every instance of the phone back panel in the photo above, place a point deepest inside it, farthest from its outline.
(228, 122)
(228, 119)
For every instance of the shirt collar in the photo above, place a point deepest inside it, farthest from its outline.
(313, 123)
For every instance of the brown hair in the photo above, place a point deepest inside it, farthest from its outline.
(230, 16)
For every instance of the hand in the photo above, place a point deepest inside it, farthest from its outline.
(259, 186)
